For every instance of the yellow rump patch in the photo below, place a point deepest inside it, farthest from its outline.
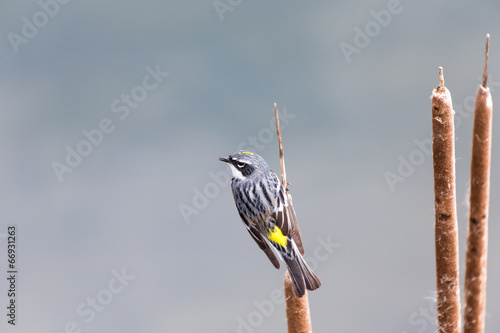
(275, 235)
(247, 152)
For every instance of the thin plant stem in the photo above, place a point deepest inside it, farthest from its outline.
(282, 154)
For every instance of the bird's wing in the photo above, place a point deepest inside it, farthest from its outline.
(264, 246)
(284, 216)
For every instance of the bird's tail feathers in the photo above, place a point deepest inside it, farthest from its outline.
(302, 276)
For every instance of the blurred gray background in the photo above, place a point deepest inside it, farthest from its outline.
(110, 169)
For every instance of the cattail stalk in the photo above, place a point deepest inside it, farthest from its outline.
(477, 237)
(297, 309)
(446, 228)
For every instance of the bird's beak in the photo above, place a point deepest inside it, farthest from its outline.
(224, 159)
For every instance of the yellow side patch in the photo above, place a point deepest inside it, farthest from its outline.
(247, 152)
(275, 235)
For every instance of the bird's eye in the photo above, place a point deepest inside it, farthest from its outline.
(240, 165)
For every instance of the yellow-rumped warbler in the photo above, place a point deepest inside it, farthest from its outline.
(263, 206)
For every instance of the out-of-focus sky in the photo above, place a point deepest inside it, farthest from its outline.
(114, 114)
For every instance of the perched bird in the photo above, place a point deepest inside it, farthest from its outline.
(263, 205)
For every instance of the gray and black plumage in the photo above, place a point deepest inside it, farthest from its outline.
(263, 205)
